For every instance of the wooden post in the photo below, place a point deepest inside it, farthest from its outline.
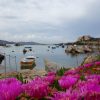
(9, 61)
(5, 64)
(16, 64)
(98, 46)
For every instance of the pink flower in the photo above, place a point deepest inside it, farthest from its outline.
(49, 79)
(90, 92)
(9, 89)
(88, 65)
(97, 63)
(85, 87)
(51, 73)
(72, 72)
(36, 89)
(67, 81)
(94, 77)
(65, 96)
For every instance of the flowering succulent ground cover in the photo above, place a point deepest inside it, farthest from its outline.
(80, 83)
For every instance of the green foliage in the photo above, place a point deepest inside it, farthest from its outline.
(98, 57)
(61, 71)
(56, 85)
(43, 99)
(20, 77)
(23, 96)
(82, 77)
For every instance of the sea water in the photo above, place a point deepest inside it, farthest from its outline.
(41, 52)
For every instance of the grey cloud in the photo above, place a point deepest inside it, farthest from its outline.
(56, 20)
(9, 17)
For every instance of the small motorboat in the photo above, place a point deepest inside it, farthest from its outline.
(53, 47)
(28, 62)
(24, 51)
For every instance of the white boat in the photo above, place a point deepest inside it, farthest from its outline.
(28, 62)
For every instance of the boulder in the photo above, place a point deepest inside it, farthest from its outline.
(90, 59)
(1, 58)
(51, 66)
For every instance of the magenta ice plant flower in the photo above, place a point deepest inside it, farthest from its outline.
(83, 87)
(65, 96)
(9, 89)
(88, 65)
(96, 77)
(89, 90)
(67, 81)
(51, 73)
(97, 63)
(70, 72)
(37, 88)
(49, 79)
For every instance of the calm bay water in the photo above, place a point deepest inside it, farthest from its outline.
(42, 52)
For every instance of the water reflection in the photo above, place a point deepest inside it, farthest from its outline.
(28, 67)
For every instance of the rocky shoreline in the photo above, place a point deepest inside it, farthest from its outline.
(27, 74)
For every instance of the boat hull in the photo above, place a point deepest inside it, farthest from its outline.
(27, 65)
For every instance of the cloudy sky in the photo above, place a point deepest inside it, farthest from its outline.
(48, 21)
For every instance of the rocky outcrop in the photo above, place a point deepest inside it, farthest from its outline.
(1, 58)
(90, 59)
(74, 49)
(51, 66)
(84, 38)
